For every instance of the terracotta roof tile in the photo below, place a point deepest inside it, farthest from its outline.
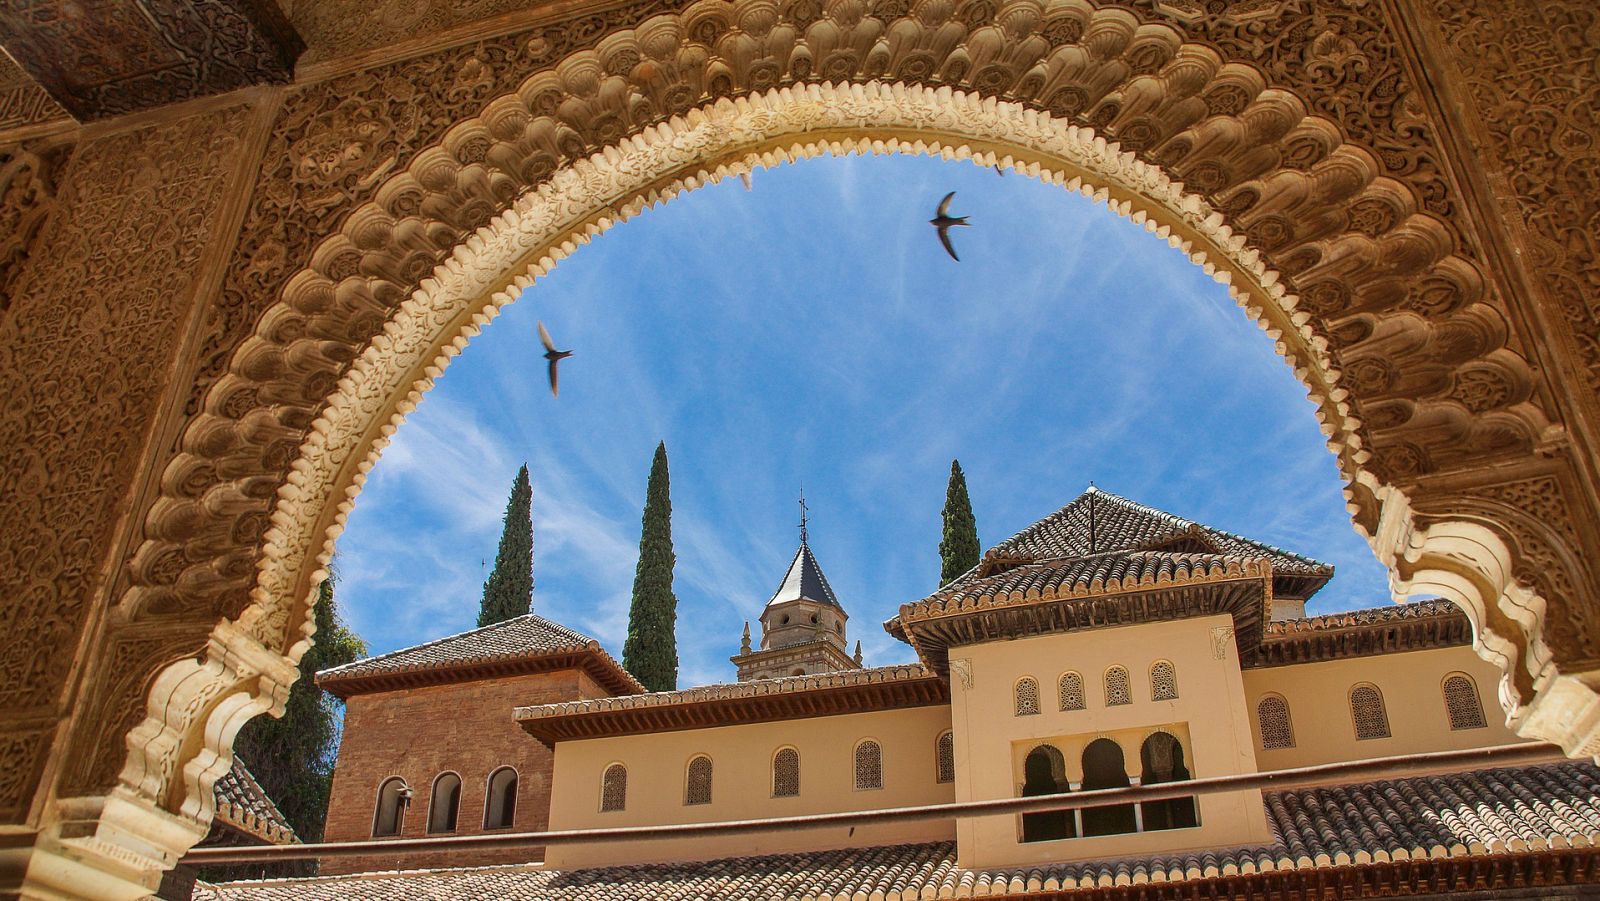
(1488, 812)
(1370, 616)
(1104, 573)
(731, 690)
(524, 637)
(243, 805)
(1123, 525)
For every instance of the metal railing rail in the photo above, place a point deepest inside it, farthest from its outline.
(1298, 777)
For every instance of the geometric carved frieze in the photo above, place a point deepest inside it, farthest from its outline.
(118, 56)
(22, 101)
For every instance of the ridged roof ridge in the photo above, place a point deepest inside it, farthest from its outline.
(1059, 535)
(1480, 815)
(728, 690)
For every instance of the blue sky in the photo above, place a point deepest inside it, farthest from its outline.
(811, 333)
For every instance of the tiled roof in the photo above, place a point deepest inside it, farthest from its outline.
(804, 580)
(1370, 616)
(1468, 816)
(243, 805)
(1392, 628)
(904, 672)
(1120, 524)
(522, 638)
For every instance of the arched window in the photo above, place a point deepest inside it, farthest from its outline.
(786, 773)
(697, 787)
(444, 803)
(1117, 687)
(1027, 696)
(1366, 708)
(500, 802)
(1044, 772)
(1103, 767)
(869, 765)
(393, 795)
(1070, 688)
(1461, 702)
(614, 788)
(1161, 760)
(944, 752)
(1272, 714)
(1163, 681)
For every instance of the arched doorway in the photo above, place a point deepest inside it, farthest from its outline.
(1104, 767)
(1044, 772)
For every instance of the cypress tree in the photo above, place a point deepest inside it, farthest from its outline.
(509, 591)
(958, 550)
(651, 651)
(292, 756)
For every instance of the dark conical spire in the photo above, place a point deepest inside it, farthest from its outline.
(804, 580)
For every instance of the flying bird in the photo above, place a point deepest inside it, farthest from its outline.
(554, 356)
(942, 220)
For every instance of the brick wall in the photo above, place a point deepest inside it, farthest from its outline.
(419, 733)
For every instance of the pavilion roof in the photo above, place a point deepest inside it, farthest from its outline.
(527, 643)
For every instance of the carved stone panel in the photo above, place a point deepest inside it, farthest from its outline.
(27, 198)
(96, 317)
(1530, 74)
(109, 57)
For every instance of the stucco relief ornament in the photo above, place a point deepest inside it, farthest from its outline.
(1221, 637)
(962, 668)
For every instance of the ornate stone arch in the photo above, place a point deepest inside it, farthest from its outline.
(419, 240)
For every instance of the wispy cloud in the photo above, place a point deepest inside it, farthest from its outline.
(811, 332)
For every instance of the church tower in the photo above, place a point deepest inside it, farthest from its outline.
(802, 626)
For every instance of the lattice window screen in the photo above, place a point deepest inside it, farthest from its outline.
(614, 788)
(1071, 691)
(1273, 715)
(1117, 691)
(1461, 701)
(945, 751)
(1027, 697)
(697, 788)
(869, 765)
(1366, 708)
(786, 773)
(1163, 682)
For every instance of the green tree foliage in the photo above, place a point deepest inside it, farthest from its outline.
(509, 592)
(292, 756)
(651, 651)
(958, 550)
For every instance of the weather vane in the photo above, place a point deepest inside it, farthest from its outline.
(803, 536)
